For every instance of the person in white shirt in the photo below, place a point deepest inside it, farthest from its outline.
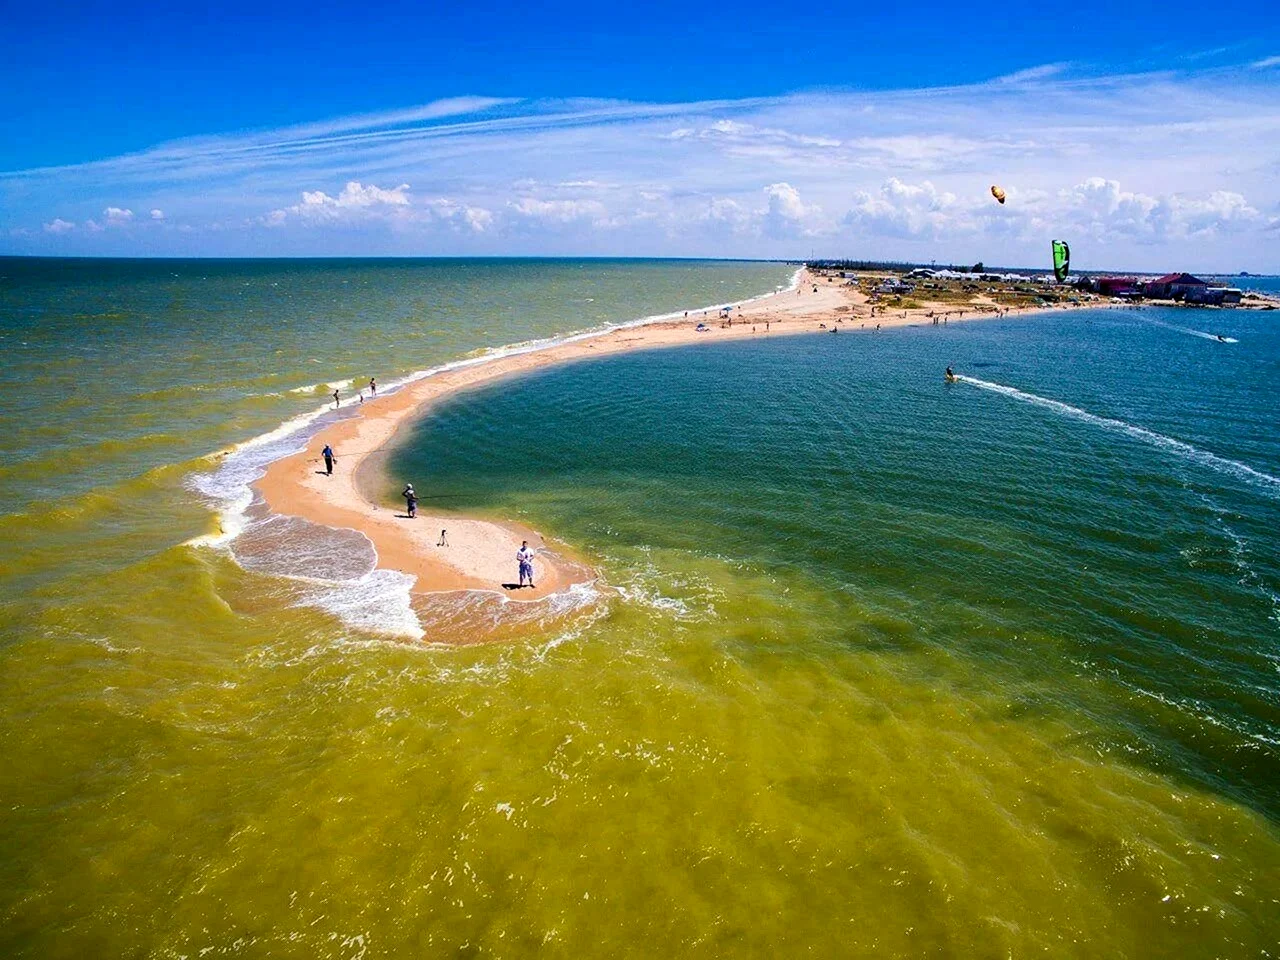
(524, 556)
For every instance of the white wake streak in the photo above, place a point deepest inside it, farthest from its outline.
(1188, 330)
(1222, 464)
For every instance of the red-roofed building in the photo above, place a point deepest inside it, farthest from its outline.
(1116, 286)
(1174, 286)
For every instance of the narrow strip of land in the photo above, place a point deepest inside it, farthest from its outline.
(481, 554)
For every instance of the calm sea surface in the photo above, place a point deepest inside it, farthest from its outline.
(885, 666)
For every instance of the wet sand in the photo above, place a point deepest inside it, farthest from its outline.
(481, 553)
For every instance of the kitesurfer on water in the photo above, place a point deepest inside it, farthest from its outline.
(951, 377)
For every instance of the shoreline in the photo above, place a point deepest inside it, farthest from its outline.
(360, 496)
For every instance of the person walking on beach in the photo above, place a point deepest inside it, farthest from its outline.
(444, 539)
(410, 499)
(373, 386)
(327, 453)
(524, 557)
(336, 402)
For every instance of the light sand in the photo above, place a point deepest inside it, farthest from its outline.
(481, 553)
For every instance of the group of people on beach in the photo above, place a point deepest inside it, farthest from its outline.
(524, 556)
(373, 391)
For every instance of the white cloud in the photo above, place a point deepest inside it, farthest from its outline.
(354, 196)
(157, 213)
(1143, 170)
(722, 210)
(117, 216)
(736, 132)
(1102, 209)
(359, 203)
(557, 211)
(1265, 62)
(905, 211)
(356, 201)
(786, 214)
(1032, 74)
(1096, 210)
(58, 225)
(443, 209)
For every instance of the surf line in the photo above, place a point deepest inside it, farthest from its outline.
(1222, 464)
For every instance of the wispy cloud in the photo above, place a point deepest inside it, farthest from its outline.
(1141, 169)
(1033, 74)
(1265, 63)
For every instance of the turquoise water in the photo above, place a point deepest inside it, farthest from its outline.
(1255, 283)
(118, 374)
(1093, 511)
(883, 667)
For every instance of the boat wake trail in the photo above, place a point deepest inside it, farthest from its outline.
(1188, 330)
(1234, 468)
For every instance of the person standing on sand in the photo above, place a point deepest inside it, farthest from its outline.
(327, 453)
(373, 386)
(444, 539)
(524, 557)
(336, 402)
(411, 499)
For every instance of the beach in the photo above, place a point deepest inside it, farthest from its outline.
(480, 555)
(928, 668)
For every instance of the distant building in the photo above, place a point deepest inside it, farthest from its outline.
(1213, 296)
(1116, 286)
(892, 285)
(1175, 286)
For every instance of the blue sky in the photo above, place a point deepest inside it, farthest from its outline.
(1148, 134)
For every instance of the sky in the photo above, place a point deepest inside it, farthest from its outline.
(1148, 135)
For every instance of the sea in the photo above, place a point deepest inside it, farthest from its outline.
(876, 665)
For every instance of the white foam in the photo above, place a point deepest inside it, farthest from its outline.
(377, 602)
(644, 595)
(326, 387)
(1233, 468)
(1240, 551)
(229, 486)
(244, 463)
(575, 632)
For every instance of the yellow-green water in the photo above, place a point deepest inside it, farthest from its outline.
(837, 701)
